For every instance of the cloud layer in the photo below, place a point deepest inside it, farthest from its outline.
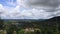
(49, 3)
(32, 9)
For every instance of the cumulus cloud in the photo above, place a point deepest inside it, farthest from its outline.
(32, 10)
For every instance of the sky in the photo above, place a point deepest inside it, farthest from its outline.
(29, 9)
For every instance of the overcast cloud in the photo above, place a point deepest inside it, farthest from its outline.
(30, 9)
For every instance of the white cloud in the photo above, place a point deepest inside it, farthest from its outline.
(28, 11)
(1, 7)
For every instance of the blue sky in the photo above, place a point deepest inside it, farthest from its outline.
(23, 9)
(6, 2)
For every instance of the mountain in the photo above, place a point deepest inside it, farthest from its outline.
(55, 19)
(50, 22)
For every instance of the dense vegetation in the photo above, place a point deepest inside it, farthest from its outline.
(50, 26)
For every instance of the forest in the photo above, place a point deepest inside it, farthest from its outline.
(49, 26)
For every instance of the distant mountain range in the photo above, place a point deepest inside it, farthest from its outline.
(41, 22)
(50, 22)
(54, 19)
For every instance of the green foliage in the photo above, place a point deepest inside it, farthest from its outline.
(21, 31)
(44, 28)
